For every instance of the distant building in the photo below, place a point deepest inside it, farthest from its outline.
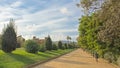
(40, 41)
(20, 41)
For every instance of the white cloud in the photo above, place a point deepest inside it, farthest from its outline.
(65, 30)
(16, 4)
(12, 11)
(58, 37)
(64, 10)
(47, 20)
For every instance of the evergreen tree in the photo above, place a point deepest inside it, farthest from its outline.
(48, 43)
(55, 47)
(66, 46)
(59, 44)
(9, 39)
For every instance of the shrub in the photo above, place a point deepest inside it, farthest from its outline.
(42, 48)
(118, 61)
(31, 46)
(63, 47)
(9, 39)
(55, 47)
(70, 46)
(109, 56)
(66, 47)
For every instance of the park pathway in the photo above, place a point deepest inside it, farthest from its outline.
(76, 59)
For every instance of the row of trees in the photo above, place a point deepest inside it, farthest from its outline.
(9, 41)
(99, 28)
(49, 45)
(32, 46)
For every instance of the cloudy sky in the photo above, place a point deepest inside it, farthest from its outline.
(57, 18)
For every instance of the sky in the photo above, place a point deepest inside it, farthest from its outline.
(40, 18)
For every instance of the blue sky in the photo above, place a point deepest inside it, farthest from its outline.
(57, 18)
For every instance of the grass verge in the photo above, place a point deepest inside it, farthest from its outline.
(20, 58)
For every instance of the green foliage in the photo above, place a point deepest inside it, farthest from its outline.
(9, 40)
(0, 41)
(55, 47)
(88, 31)
(60, 44)
(118, 61)
(42, 48)
(66, 46)
(68, 38)
(110, 57)
(63, 47)
(70, 46)
(48, 43)
(101, 31)
(31, 46)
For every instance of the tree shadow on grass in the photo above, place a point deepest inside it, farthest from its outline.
(44, 55)
(53, 53)
(21, 58)
(1, 66)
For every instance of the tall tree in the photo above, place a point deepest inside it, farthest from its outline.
(9, 39)
(108, 31)
(59, 44)
(68, 38)
(48, 43)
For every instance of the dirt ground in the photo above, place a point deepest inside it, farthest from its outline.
(76, 59)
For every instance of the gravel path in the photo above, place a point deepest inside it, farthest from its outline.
(76, 59)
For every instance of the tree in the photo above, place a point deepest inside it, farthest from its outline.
(0, 41)
(31, 46)
(105, 35)
(68, 38)
(59, 44)
(66, 46)
(42, 48)
(48, 43)
(9, 39)
(55, 47)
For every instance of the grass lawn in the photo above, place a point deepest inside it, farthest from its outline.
(20, 58)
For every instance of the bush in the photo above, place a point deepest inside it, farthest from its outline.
(55, 47)
(63, 47)
(31, 46)
(66, 47)
(109, 56)
(42, 48)
(70, 46)
(118, 61)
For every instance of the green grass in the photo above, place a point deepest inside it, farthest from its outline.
(20, 58)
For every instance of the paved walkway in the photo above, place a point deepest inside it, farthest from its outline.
(76, 59)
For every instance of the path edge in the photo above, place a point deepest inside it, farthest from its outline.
(44, 61)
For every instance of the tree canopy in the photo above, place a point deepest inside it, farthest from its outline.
(9, 39)
(99, 28)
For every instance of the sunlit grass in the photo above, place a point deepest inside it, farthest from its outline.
(20, 58)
